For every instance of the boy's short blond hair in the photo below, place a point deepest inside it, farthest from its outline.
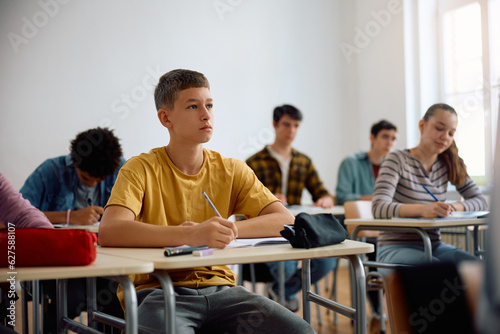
(173, 82)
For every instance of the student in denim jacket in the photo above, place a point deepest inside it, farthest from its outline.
(74, 189)
(80, 182)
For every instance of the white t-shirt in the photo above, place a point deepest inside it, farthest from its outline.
(284, 164)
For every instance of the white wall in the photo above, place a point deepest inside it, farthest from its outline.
(380, 84)
(82, 64)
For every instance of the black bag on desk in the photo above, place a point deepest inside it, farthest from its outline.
(317, 230)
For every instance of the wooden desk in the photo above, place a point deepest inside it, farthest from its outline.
(418, 226)
(91, 228)
(283, 252)
(336, 210)
(104, 265)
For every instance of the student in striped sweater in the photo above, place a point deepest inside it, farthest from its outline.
(399, 189)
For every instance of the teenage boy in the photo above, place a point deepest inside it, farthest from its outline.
(74, 188)
(286, 172)
(357, 173)
(157, 201)
(356, 179)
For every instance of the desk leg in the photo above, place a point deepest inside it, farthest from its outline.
(306, 287)
(359, 292)
(62, 307)
(475, 238)
(24, 302)
(169, 297)
(281, 282)
(131, 315)
(421, 232)
(35, 297)
(427, 243)
(91, 301)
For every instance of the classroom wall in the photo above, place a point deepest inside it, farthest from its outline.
(68, 66)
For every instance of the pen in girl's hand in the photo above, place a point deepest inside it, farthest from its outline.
(436, 199)
(430, 193)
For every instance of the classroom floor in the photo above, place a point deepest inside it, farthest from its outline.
(343, 295)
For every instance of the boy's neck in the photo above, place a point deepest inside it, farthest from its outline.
(375, 157)
(284, 150)
(188, 159)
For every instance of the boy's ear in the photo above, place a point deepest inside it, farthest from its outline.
(372, 138)
(163, 117)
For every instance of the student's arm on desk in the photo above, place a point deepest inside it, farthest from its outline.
(268, 223)
(325, 202)
(86, 216)
(432, 210)
(118, 228)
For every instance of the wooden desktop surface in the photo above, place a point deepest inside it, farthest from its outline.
(281, 252)
(423, 223)
(104, 265)
(91, 228)
(310, 209)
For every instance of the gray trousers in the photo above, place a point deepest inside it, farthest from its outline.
(219, 309)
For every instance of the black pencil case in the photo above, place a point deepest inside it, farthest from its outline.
(310, 231)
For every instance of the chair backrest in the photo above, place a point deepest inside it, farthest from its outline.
(430, 298)
(359, 209)
(396, 304)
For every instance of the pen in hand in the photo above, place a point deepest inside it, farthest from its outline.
(430, 193)
(211, 204)
(435, 198)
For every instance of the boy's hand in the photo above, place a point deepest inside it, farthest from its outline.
(215, 232)
(324, 202)
(86, 216)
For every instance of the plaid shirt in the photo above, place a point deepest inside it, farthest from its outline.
(302, 174)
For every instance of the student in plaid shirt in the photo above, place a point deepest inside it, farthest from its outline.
(286, 172)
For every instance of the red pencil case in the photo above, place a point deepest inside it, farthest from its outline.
(32, 247)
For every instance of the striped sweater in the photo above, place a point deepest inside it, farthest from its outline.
(400, 181)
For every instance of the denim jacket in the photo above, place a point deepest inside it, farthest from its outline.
(52, 186)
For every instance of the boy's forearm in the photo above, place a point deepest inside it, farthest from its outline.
(268, 225)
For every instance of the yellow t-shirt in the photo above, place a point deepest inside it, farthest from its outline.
(159, 193)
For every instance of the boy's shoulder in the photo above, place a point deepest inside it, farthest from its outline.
(153, 157)
(263, 154)
(214, 157)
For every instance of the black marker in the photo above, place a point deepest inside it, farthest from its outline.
(183, 250)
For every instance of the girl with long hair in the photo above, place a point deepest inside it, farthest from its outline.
(400, 189)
